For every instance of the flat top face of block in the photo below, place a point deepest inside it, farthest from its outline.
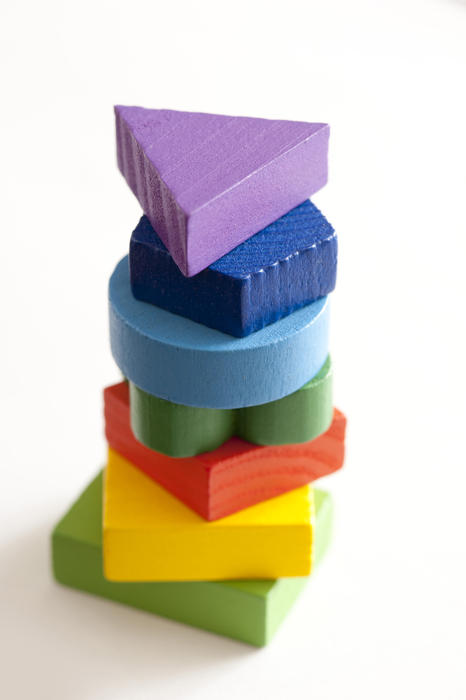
(200, 156)
(134, 501)
(302, 228)
(83, 521)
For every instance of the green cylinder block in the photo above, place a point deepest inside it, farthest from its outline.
(185, 431)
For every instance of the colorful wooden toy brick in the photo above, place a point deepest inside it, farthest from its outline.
(185, 431)
(250, 611)
(219, 320)
(208, 182)
(234, 476)
(289, 264)
(149, 535)
(181, 361)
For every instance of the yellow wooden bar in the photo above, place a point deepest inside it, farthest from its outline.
(149, 535)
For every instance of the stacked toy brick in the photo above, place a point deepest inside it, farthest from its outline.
(219, 322)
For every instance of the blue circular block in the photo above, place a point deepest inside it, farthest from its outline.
(188, 363)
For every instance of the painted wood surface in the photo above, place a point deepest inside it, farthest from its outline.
(149, 535)
(181, 361)
(287, 265)
(208, 182)
(234, 476)
(249, 611)
(185, 431)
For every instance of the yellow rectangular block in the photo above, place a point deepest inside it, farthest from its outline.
(148, 535)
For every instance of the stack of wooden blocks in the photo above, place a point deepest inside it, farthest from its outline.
(219, 323)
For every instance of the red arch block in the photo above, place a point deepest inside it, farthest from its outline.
(236, 475)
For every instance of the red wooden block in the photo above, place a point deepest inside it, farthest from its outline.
(236, 475)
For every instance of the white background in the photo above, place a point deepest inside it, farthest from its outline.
(385, 615)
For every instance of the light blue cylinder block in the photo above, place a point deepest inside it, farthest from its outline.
(188, 363)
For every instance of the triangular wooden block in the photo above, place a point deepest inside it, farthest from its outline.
(208, 182)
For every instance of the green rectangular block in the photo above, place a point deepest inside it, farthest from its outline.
(249, 611)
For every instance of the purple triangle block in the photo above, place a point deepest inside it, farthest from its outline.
(208, 182)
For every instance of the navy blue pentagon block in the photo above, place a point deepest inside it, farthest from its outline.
(284, 267)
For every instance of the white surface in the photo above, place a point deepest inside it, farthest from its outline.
(385, 616)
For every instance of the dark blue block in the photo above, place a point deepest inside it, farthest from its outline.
(285, 266)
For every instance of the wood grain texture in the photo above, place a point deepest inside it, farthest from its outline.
(208, 182)
(149, 535)
(181, 361)
(249, 611)
(234, 476)
(185, 431)
(289, 264)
